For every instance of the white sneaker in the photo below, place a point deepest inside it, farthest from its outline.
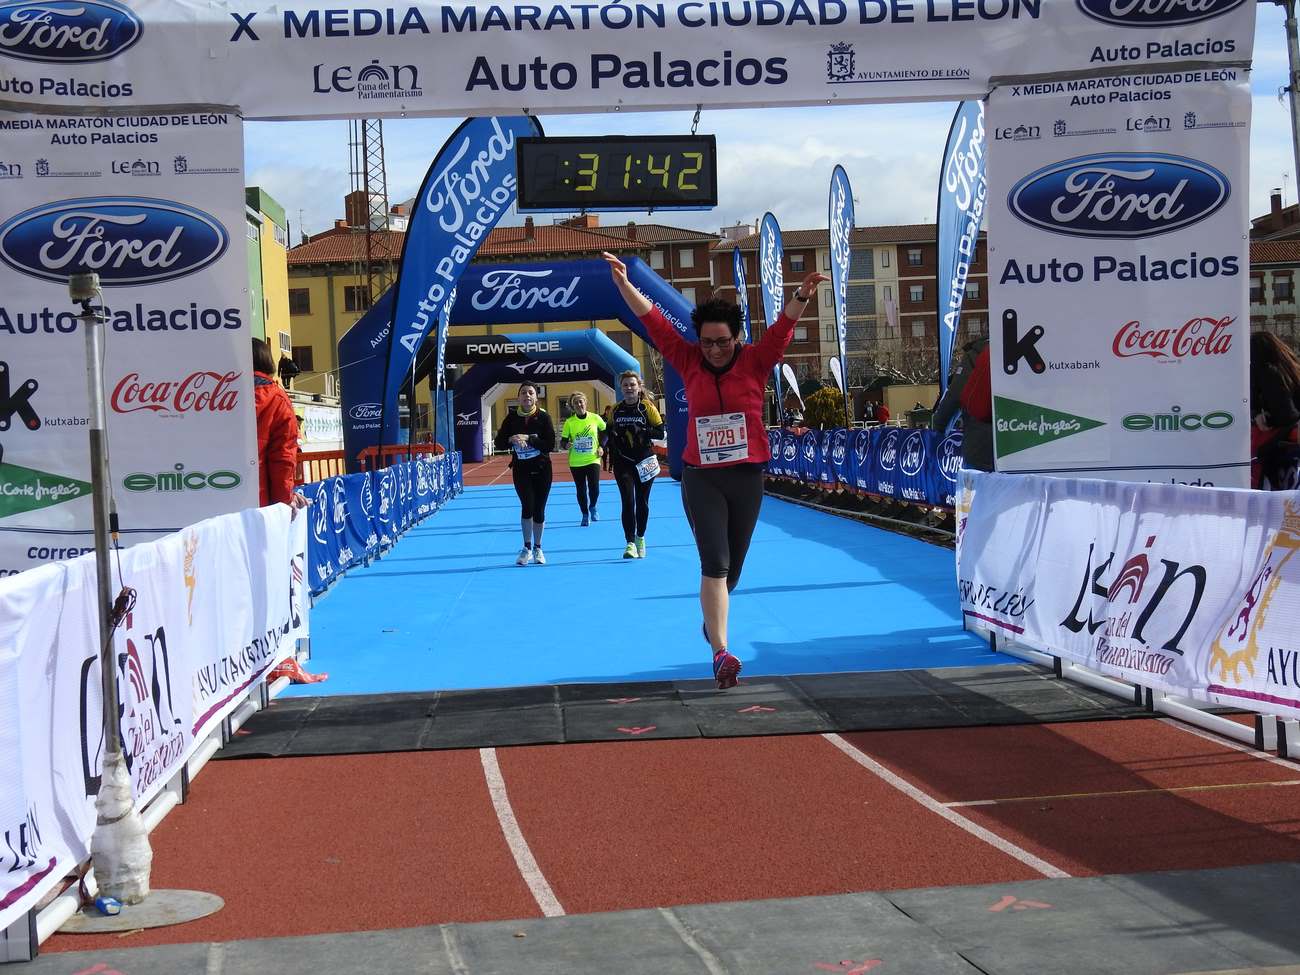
(630, 551)
(525, 556)
(539, 556)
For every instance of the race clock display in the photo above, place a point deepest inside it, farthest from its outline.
(646, 172)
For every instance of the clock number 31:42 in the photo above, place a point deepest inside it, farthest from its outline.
(592, 169)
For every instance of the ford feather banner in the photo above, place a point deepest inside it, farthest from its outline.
(771, 285)
(962, 192)
(840, 221)
(468, 188)
(298, 59)
(742, 289)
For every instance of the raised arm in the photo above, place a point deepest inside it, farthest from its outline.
(771, 347)
(638, 302)
(671, 345)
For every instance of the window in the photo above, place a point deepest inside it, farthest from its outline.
(889, 293)
(861, 300)
(884, 258)
(657, 260)
(1256, 291)
(828, 301)
(861, 264)
(689, 295)
(1283, 290)
(800, 334)
(302, 358)
(252, 230)
(286, 344)
(826, 260)
(299, 301)
(916, 292)
(281, 235)
(918, 330)
(975, 326)
(356, 297)
(797, 263)
(914, 257)
(686, 257)
(973, 290)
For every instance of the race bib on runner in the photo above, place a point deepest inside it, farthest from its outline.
(722, 439)
(584, 445)
(648, 469)
(526, 452)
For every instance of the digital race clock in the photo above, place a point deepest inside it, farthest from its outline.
(660, 172)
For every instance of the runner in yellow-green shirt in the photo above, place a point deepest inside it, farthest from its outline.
(581, 435)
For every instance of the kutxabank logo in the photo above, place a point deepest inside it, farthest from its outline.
(128, 240)
(1119, 195)
(67, 31)
(1155, 13)
(1019, 426)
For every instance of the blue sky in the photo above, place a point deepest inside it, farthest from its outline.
(769, 159)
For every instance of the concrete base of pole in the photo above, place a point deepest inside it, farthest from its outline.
(119, 847)
(161, 909)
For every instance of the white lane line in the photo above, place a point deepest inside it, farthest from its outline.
(939, 809)
(710, 960)
(1226, 742)
(454, 957)
(524, 860)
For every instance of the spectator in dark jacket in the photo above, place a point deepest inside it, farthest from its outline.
(1275, 411)
(277, 431)
(969, 392)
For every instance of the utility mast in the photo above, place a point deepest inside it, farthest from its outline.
(376, 254)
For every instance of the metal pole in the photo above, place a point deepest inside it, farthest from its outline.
(119, 846)
(1293, 87)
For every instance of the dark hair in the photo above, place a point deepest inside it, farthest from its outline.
(527, 384)
(1266, 349)
(262, 358)
(717, 310)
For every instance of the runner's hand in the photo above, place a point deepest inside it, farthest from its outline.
(616, 267)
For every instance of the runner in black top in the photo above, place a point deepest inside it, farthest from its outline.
(529, 434)
(634, 423)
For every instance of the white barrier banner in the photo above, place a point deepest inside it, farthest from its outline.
(218, 605)
(1118, 277)
(302, 60)
(155, 206)
(1180, 589)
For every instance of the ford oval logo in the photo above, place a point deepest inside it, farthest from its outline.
(950, 456)
(1119, 194)
(1155, 13)
(913, 454)
(889, 450)
(67, 31)
(127, 240)
(366, 411)
(862, 446)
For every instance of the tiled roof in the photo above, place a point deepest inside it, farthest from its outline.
(1274, 252)
(908, 233)
(342, 246)
(655, 233)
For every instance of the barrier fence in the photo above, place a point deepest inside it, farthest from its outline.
(918, 466)
(354, 517)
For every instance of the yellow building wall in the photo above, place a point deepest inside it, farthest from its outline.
(275, 286)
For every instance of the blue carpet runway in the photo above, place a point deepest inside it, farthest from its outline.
(448, 609)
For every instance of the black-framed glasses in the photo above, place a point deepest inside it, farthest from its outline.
(717, 343)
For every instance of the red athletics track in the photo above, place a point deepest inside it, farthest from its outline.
(496, 470)
(313, 845)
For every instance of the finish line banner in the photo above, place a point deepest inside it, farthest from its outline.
(299, 60)
(1118, 269)
(218, 605)
(1179, 589)
(111, 195)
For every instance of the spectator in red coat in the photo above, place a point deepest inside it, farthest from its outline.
(882, 413)
(970, 394)
(277, 431)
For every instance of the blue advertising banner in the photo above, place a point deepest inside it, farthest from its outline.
(962, 192)
(468, 188)
(884, 463)
(789, 455)
(809, 450)
(947, 463)
(913, 465)
(825, 465)
(862, 460)
(841, 462)
(444, 326)
(742, 289)
(840, 222)
(771, 276)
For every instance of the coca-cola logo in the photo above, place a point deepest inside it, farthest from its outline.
(203, 391)
(1197, 337)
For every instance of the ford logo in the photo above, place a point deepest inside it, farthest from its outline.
(67, 31)
(680, 396)
(950, 456)
(889, 450)
(913, 454)
(789, 450)
(1155, 13)
(841, 438)
(862, 446)
(127, 240)
(1119, 194)
(810, 447)
(366, 411)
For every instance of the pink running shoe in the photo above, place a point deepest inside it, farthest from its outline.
(726, 668)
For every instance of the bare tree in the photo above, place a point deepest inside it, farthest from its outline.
(904, 364)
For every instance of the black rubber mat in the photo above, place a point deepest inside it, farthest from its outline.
(952, 698)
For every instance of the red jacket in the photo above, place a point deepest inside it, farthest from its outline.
(977, 395)
(277, 440)
(737, 390)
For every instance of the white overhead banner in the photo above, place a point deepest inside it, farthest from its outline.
(218, 605)
(1180, 589)
(299, 60)
(1118, 277)
(155, 205)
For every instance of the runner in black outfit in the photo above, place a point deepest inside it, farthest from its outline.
(530, 436)
(634, 423)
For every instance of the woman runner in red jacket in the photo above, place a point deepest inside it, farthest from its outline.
(726, 442)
